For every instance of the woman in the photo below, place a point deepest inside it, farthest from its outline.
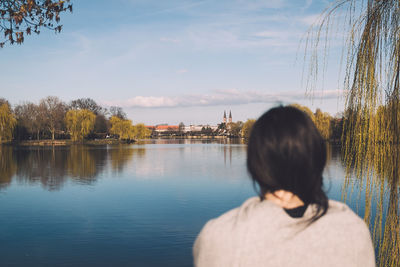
(292, 222)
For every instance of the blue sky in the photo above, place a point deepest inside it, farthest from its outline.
(172, 61)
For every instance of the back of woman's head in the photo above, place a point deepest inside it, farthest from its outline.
(287, 152)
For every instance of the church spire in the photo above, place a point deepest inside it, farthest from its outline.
(230, 116)
(224, 120)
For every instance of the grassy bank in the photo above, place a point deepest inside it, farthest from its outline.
(66, 142)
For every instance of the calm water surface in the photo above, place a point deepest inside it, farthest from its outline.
(128, 205)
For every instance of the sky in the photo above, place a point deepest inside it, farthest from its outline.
(175, 60)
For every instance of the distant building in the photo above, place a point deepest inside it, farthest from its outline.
(198, 128)
(167, 128)
(224, 119)
(160, 128)
(163, 128)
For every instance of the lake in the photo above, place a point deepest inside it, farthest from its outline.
(141, 204)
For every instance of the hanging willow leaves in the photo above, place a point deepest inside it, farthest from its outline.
(79, 123)
(123, 128)
(126, 130)
(371, 131)
(24, 17)
(7, 123)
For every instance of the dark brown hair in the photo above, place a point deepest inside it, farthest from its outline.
(286, 152)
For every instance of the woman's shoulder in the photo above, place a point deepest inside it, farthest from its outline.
(248, 214)
(341, 224)
(253, 209)
(343, 214)
(249, 210)
(338, 216)
(221, 235)
(231, 217)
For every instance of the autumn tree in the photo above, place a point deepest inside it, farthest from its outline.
(320, 119)
(4, 101)
(79, 123)
(126, 131)
(246, 129)
(7, 123)
(101, 125)
(117, 112)
(89, 104)
(337, 128)
(235, 128)
(141, 131)
(53, 111)
(23, 17)
(305, 110)
(29, 117)
(122, 127)
(323, 123)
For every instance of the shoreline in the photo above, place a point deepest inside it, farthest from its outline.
(68, 142)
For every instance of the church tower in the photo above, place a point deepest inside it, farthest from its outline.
(224, 120)
(230, 116)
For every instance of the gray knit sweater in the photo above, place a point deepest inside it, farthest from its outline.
(260, 233)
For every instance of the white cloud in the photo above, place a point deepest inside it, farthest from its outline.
(310, 19)
(221, 97)
(268, 34)
(283, 34)
(151, 101)
(229, 39)
(257, 4)
(181, 71)
(170, 40)
(308, 4)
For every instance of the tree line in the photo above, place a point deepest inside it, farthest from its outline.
(54, 119)
(83, 119)
(331, 128)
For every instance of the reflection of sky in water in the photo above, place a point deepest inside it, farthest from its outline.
(131, 205)
(166, 161)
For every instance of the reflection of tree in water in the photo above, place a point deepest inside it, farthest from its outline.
(7, 166)
(53, 166)
(227, 151)
(227, 147)
(84, 163)
(44, 165)
(120, 155)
